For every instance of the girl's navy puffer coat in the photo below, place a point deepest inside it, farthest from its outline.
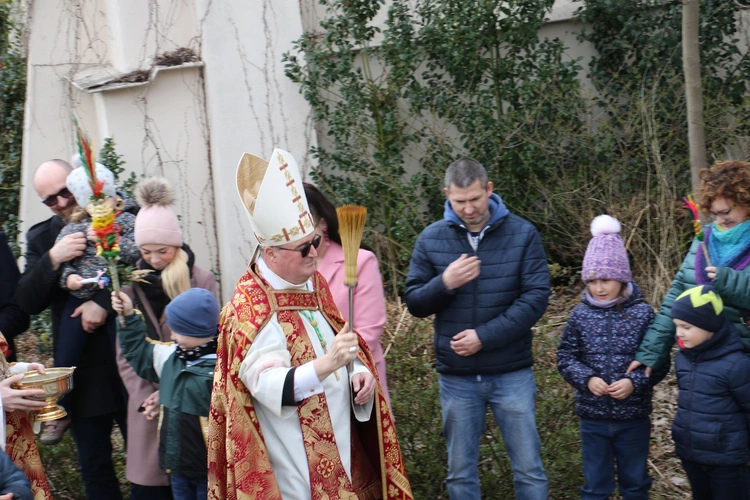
(601, 342)
(712, 424)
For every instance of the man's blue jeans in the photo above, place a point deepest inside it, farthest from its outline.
(627, 442)
(511, 397)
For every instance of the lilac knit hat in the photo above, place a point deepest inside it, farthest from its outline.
(606, 258)
(156, 222)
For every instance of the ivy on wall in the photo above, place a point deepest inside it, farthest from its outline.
(443, 79)
(12, 97)
(109, 157)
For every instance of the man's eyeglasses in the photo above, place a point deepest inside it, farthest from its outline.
(51, 200)
(305, 249)
(722, 215)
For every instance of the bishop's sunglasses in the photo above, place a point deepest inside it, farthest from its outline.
(51, 200)
(305, 249)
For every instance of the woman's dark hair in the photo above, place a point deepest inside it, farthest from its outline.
(321, 208)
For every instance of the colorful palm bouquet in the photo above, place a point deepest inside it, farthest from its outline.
(105, 230)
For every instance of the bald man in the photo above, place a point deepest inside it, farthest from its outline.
(98, 397)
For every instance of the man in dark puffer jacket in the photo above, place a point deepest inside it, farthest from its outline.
(711, 430)
(483, 273)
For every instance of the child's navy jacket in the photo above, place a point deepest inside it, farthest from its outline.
(712, 425)
(602, 342)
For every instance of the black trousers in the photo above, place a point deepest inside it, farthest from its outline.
(93, 438)
(710, 482)
(140, 492)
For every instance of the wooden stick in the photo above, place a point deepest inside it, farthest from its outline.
(705, 253)
(115, 277)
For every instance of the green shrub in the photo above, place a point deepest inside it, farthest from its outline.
(449, 78)
(12, 98)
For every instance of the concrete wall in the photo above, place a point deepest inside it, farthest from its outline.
(189, 123)
(251, 106)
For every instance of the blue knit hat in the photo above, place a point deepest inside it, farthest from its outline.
(700, 306)
(194, 313)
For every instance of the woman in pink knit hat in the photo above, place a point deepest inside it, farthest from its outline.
(369, 296)
(171, 262)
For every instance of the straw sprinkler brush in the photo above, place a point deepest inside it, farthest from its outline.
(351, 225)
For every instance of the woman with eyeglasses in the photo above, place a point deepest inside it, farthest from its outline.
(724, 195)
(369, 296)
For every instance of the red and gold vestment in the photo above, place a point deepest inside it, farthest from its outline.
(239, 466)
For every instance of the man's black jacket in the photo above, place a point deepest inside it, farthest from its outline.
(97, 386)
(13, 321)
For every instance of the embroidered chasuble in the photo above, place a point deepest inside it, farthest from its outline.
(19, 440)
(364, 464)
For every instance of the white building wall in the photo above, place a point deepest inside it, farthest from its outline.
(252, 106)
(189, 123)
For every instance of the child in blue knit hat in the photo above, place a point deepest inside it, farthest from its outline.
(711, 429)
(184, 371)
(600, 340)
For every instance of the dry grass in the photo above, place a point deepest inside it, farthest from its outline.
(407, 343)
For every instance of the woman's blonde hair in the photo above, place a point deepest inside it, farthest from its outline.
(175, 277)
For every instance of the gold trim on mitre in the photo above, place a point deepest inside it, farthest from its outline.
(274, 198)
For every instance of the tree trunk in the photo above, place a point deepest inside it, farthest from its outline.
(693, 89)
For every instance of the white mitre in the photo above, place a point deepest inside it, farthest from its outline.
(274, 197)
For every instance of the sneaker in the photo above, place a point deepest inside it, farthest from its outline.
(52, 431)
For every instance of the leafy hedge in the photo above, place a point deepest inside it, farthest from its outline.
(12, 98)
(447, 78)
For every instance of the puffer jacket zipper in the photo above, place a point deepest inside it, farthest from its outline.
(607, 374)
(691, 389)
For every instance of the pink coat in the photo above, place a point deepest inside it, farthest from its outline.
(142, 458)
(369, 299)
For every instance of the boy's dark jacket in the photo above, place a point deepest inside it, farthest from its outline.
(184, 396)
(712, 424)
(601, 342)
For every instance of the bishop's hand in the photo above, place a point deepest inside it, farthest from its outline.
(339, 354)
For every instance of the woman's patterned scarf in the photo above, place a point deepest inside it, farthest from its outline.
(729, 248)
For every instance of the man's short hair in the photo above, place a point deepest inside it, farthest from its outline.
(464, 172)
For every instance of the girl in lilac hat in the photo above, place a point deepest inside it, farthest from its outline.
(599, 342)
